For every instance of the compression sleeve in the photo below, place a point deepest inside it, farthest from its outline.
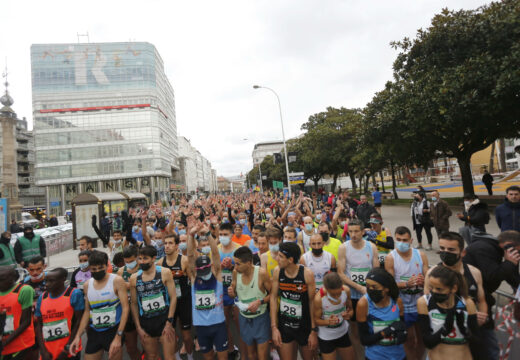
(430, 339)
(366, 337)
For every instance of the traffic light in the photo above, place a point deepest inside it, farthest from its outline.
(278, 158)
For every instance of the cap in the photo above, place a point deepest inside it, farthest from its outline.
(203, 265)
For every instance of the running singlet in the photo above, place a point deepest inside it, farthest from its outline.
(319, 266)
(152, 296)
(249, 293)
(359, 263)
(181, 279)
(227, 275)
(437, 316)
(207, 302)
(306, 239)
(378, 319)
(105, 307)
(294, 301)
(382, 251)
(271, 264)
(254, 249)
(403, 270)
(332, 332)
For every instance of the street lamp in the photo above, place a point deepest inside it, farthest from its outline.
(283, 135)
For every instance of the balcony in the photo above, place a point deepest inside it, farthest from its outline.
(22, 159)
(22, 171)
(24, 183)
(22, 147)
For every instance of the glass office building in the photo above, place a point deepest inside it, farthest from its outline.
(104, 120)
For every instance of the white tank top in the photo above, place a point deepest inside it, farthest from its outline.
(307, 239)
(319, 266)
(328, 309)
(105, 295)
(403, 270)
(359, 263)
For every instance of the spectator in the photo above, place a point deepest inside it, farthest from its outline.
(364, 210)
(475, 214)
(15, 228)
(53, 221)
(508, 214)
(497, 261)
(105, 225)
(6, 250)
(28, 246)
(487, 179)
(377, 195)
(117, 224)
(421, 219)
(440, 213)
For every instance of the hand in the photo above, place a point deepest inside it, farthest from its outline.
(460, 216)
(142, 334)
(419, 280)
(362, 289)
(333, 320)
(253, 307)
(231, 292)
(277, 337)
(346, 315)
(74, 346)
(313, 340)
(482, 317)
(115, 347)
(512, 255)
(169, 332)
(411, 281)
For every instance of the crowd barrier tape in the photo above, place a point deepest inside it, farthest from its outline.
(506, 327)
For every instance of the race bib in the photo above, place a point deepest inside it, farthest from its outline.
(227, 277)
(205, 299)
(382, 255)
(153, 303)
(248, 302)
(9, 324)
(337, 313)
(55, 330)
(359, 275)
(178, 290)
(411, 291)
(291, 308)
(455, 336)
(104, 317)
(380, 326)
(319, 285)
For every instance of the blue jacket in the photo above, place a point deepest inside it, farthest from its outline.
(508, 216)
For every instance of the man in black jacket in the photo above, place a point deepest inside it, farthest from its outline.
(497, 260)
(475, 213)
(364, 210)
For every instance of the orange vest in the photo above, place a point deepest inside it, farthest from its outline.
(13, 309)
(57, 321)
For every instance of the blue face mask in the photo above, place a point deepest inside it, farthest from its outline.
(274, 248)
(402, 246)
(308, 227)
(224, 240)
(83, 266)
(206, 250)
(206, 277)
(243, 221)
(182, 232)
(183, 246)
(290, 223)
(131, 265)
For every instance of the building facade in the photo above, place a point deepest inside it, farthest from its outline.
(264, 149)
(104, 120)
(196, 174)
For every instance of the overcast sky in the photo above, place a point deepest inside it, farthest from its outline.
(315, 54)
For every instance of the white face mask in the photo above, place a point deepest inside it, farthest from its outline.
(224, 240)
(39, 277)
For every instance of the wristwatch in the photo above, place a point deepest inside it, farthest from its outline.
(315, 329)
(120, 333)
(170, 320)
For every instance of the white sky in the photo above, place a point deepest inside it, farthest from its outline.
(313, 53)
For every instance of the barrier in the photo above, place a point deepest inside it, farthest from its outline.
(506, 326)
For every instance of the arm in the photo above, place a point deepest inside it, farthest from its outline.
(100, 235)
(43, 247)
(133, 305)
(318, 312)
(215, 257)
(18, 253)
(375, 257)
(82, 324)
(122, 293)
(273, 302)
(430, 338)
(482, 313)
(366, 338)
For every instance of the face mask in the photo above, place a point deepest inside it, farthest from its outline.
(467, 203)
(206, 250)
(98, 275)
(117, 242)
(269, 216)
(331, 298)
(439, 298)
(135, 228)
(434, 198)
(402, 246)
(131, 265)
(206, 277)
(242, 221)
(183, 246)
(274, 248)
(448, 258)
(325, 236)
(342, 224)
(28, 235)
(225, 220)
(287, 240)
(290, 223)
(375, 295)
(317, 252)
(182, 232)
(145, 267)
(6, 240)
(36, 278)
(224, 240)
(318, 217)
(308, 227)
(83, 266)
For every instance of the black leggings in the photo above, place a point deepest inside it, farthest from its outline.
(427, 229)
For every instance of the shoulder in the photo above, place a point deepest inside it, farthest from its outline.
(362, 304)
(475, 272)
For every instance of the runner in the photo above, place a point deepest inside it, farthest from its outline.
(36, 278)
(291, 307)
(253, 243)
(380, 317)
(153, 305)
(263, 247)
(269, 260)
(251, 284)
(332, 309)
(130, 268)
(356, 258)
(319, 261)
(106, 312)
(178, 265)
(446, 315)
(330, 244)
(304, 237)
(408, 267)
(239, 237)
(16, 301)
(207, 292)
(451, 246)
(58, 312)
(381, 236)
(82, 273)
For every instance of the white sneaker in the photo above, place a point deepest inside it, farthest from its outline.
(274, 354)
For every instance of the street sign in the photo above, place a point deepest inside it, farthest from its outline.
(277, 184)
(297, 178)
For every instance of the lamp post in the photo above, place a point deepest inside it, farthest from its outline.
(283, 135)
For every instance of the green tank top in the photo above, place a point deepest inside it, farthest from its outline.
(249, 293)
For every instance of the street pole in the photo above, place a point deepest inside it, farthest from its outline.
(283, 135)
(261, 185)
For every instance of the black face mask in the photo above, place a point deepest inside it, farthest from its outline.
(325, 236)
(98, 275)
(145, 267)
(28, 235)
(317, 252)
(439, 298)
(375, 295)
(448, 258)
(5, 240)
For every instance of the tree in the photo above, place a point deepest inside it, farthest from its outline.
(461, 81)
